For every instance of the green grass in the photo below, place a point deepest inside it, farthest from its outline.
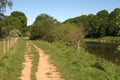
(79, 65)
(35, 60)
(11, 62)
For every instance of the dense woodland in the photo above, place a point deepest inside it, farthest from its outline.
(70, 32)
(99, 25)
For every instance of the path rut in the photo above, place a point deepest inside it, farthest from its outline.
(46, 70)
(26, 72)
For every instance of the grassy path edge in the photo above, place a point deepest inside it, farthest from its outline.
(11, 63)
(79, 65)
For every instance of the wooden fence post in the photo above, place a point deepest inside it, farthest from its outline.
(8, 44)
(4, 46)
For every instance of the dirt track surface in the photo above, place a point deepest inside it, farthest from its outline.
(26, 72)
(46, 70)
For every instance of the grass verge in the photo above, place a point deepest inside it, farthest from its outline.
(11, 62)
(79, 65)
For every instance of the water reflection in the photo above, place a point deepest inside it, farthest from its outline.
(105, 50)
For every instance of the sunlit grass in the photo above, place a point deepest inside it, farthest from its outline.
(79, 65)
(11, 62)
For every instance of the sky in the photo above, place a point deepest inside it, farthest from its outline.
(61, 9)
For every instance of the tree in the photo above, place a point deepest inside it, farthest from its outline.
(69, 34)
(3, 4)
(22, 21)
(12, 23)
(16, 21)
(35, 32)
(93, 26)
(103, 17)
(44, 23)
(118, 23)
(115, 19)
(102, 30)
(111, 29)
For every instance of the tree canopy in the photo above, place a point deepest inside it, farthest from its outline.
(99, 25)
(16, 21)
(3, 4)
(47, 28)
(42, 26)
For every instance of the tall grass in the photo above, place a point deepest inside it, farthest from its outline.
(79, 65)
(11, 62)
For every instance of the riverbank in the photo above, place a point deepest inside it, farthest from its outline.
(104, 39)
(79, 65)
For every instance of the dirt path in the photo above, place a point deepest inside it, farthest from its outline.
(46, 70)
(26, 72)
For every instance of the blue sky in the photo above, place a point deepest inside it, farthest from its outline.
(61, 9)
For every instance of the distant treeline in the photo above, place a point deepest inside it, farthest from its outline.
(71, 32)
(99, 25)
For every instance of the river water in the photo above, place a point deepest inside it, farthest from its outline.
(104, 50)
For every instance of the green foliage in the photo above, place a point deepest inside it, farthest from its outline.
(111, 29)
(99, 25)
(68, 34)
(118, 23)
(42, 27)
(16, 21)
(103, 17)
(93, 26)
(2, 28)
(101, 31)
(3, 4)
(118, 48)
(47, 28)
(34, 32)
(12, 23)
(79, 65)
(114, 19)
(22, 22)
(11, 62)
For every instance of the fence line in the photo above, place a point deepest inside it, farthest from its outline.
(9, 43)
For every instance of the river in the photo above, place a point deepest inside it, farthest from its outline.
(104, 50)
